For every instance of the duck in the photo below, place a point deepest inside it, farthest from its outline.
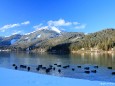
(87, 68)
(16, 67)
(93, 71)
(59, 71)
(109, 67)
(28, 68)
(13, 64)
(79, 66)
(113, 73)
(73, 69)
(96, 66)
(87, 72)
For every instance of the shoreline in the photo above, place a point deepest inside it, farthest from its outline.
(87, 51)
(70, 52)
(21, 78)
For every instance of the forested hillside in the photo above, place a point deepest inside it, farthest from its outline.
(104, 40)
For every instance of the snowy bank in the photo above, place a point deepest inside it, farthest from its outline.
(10, 77)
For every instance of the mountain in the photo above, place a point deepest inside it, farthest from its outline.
(31, 39)
(7, 41)
(44, 39)
(59, 43)
(74, 41)
(48, 40)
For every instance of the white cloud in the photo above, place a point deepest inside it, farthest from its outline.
(59, 25)
(76, 23)
(80, 26)
(5, 27)
(62, 29)
(37, 26)
(43, 27)
(8, 26)
(25, 23)
(60, 22)
(16, 32)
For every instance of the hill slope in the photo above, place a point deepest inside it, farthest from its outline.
(104, 40)
(51, 41)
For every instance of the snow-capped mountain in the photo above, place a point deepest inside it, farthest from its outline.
(35, 37)
(50, 28)
(43, 38)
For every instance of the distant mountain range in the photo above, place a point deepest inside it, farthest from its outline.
(56, 41)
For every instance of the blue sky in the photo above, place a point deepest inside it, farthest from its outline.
(24, 16)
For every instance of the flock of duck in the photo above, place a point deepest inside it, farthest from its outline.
(53, 67)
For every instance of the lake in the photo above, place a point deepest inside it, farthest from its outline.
(78, 64)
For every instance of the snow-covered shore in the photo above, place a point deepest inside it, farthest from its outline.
(10, 77)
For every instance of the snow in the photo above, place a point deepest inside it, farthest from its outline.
(10, 77)
(49, 28)
(55, 29)
(38, 36)
(42, 28)
(6, 36)
(30, 33)
(13, 41)
(26, 37)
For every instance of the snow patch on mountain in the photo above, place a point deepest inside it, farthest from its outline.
(38, 36)
(43, 28)
(30, 33)
(55, 29)
(26, 37)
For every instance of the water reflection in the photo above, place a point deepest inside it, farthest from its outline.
(104, 60)
(32, 60)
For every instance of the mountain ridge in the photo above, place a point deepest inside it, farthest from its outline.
(46, 40)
